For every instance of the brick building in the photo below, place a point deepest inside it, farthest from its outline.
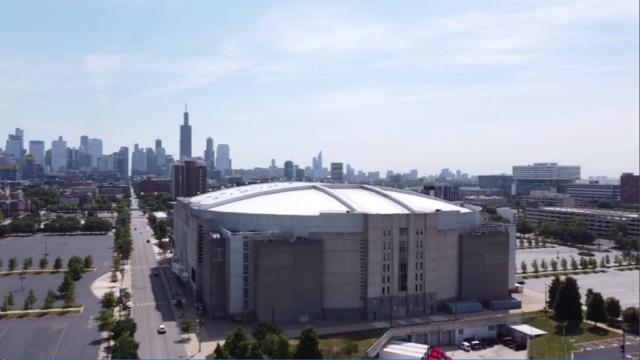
(630, 188)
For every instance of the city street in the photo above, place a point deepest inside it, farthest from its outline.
(151, 302)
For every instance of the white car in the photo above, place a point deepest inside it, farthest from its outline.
(465, 346)
(162, 329)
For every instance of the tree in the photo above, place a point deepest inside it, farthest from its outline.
(5, 304)
(57, 264)
(114, 275)
(220, 353)
(607, 260)
(309, 345)
(529, 242)
(126, 298)
(30, 300)
(88, 262)
(616, 260)
(70, 296)
(66, 284)
(588, 295)
(568, 306)
(13, 263)
(523, 226)
(109, 300)
(535, 266)
(124, 326)
(125, 347)
(43, 263)
(552, 294)
(106, 321)
(350, 347)
(521, 242)
(574, 264)
(554, 265)
(631, 317)
(49, 300)
(583, 263)
(233, 341)
(544, 265)
(187, 325)
(613, 308)
(262, 328)
(603, 263)
(536, 240)
(10, 300)
(523, 266)
(596, 311)
(244, 350)
(1, 263)
(593, 263)
(563, 264)
(255, 352)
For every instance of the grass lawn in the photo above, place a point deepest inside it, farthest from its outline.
(333, 345)
(551, 346)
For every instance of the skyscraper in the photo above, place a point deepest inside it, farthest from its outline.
(288, 170)
(158, 144)
(36, 149)
(185, 136)
(15, 145)
(223, 159)
(95, 149)
(189, 178)
(58, 155)
(139, 161)
(210, 155)
(84, 143)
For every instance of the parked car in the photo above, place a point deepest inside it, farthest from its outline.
(465, 346)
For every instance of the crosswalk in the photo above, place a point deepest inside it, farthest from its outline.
(151, 303)
(140, 267)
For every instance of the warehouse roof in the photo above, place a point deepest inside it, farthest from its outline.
(302, 198)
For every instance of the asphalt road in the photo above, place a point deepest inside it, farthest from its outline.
(151, 303)
(56, 337)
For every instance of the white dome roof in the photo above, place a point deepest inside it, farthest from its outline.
(300, 198)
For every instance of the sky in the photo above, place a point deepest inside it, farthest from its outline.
(477, 86)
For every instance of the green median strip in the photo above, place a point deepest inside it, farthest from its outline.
(35, 313)
(39, 272)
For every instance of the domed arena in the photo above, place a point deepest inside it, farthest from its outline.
(298, 252)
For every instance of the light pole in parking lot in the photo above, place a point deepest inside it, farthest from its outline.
(46, 253)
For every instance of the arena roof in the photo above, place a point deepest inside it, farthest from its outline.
(301, 198)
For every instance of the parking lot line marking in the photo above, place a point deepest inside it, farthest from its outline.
(3, 331)
(59, 341)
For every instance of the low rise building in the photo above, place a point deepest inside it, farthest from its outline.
(546, 198)
(486, 200)
(592, 191)
(599, 221)
(150, 185)
(630, 188)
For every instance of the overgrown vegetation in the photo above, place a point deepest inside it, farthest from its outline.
(155, 201)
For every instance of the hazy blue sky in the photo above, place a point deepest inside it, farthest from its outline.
(471, 85)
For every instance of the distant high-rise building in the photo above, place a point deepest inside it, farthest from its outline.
(15, 146)
(58, 155)
(158, 144)
(122, 164)
(223, 160)
(188, 178)
(185, 136)
(288, 170)
(36, 149)
(152, 161)
(84, 143)
(413, 174)
(630, 188)
(458, 174)
(337, 172)
(210, 155)
(95, 149)
(32, 170)
(47, 159)
(138, 161)
(543, 176)
(72, 159)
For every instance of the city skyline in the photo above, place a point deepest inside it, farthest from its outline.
(371, 84)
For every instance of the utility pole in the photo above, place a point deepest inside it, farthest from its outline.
(46, 253)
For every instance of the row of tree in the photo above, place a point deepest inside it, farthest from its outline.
(564, 298)
(155, 201)
(534, 241)
(67, 224)
(495, 216)
(75, 264)
(271, 343)
(69, 299)
(582, 264)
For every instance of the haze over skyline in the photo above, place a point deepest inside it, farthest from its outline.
(425, 85)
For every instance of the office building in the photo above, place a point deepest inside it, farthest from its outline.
(58, 155)
(288, 170)
(630, 188)
(138, 161)
(592, 191)
(121, 161)
(84, 143)
(188, 178)
(185, 136)
(298, 252)
(14, 146)
(542, 176)
(501, 182)
(95, 150)
(599, 221)
(36, 149)
(337, 172)
(552, 199)
(300, 174)
(32, 170)
(152, 162)
(72, 159)
(446, 192)
(210, 155)
(223, 160)
(10, 172)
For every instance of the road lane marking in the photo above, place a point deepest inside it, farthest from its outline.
(151, 303)
(3, 331)
(59, 341)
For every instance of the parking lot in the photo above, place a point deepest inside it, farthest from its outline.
(68, 336)
(623, 285)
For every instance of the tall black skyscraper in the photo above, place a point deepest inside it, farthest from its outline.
(185, 136)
